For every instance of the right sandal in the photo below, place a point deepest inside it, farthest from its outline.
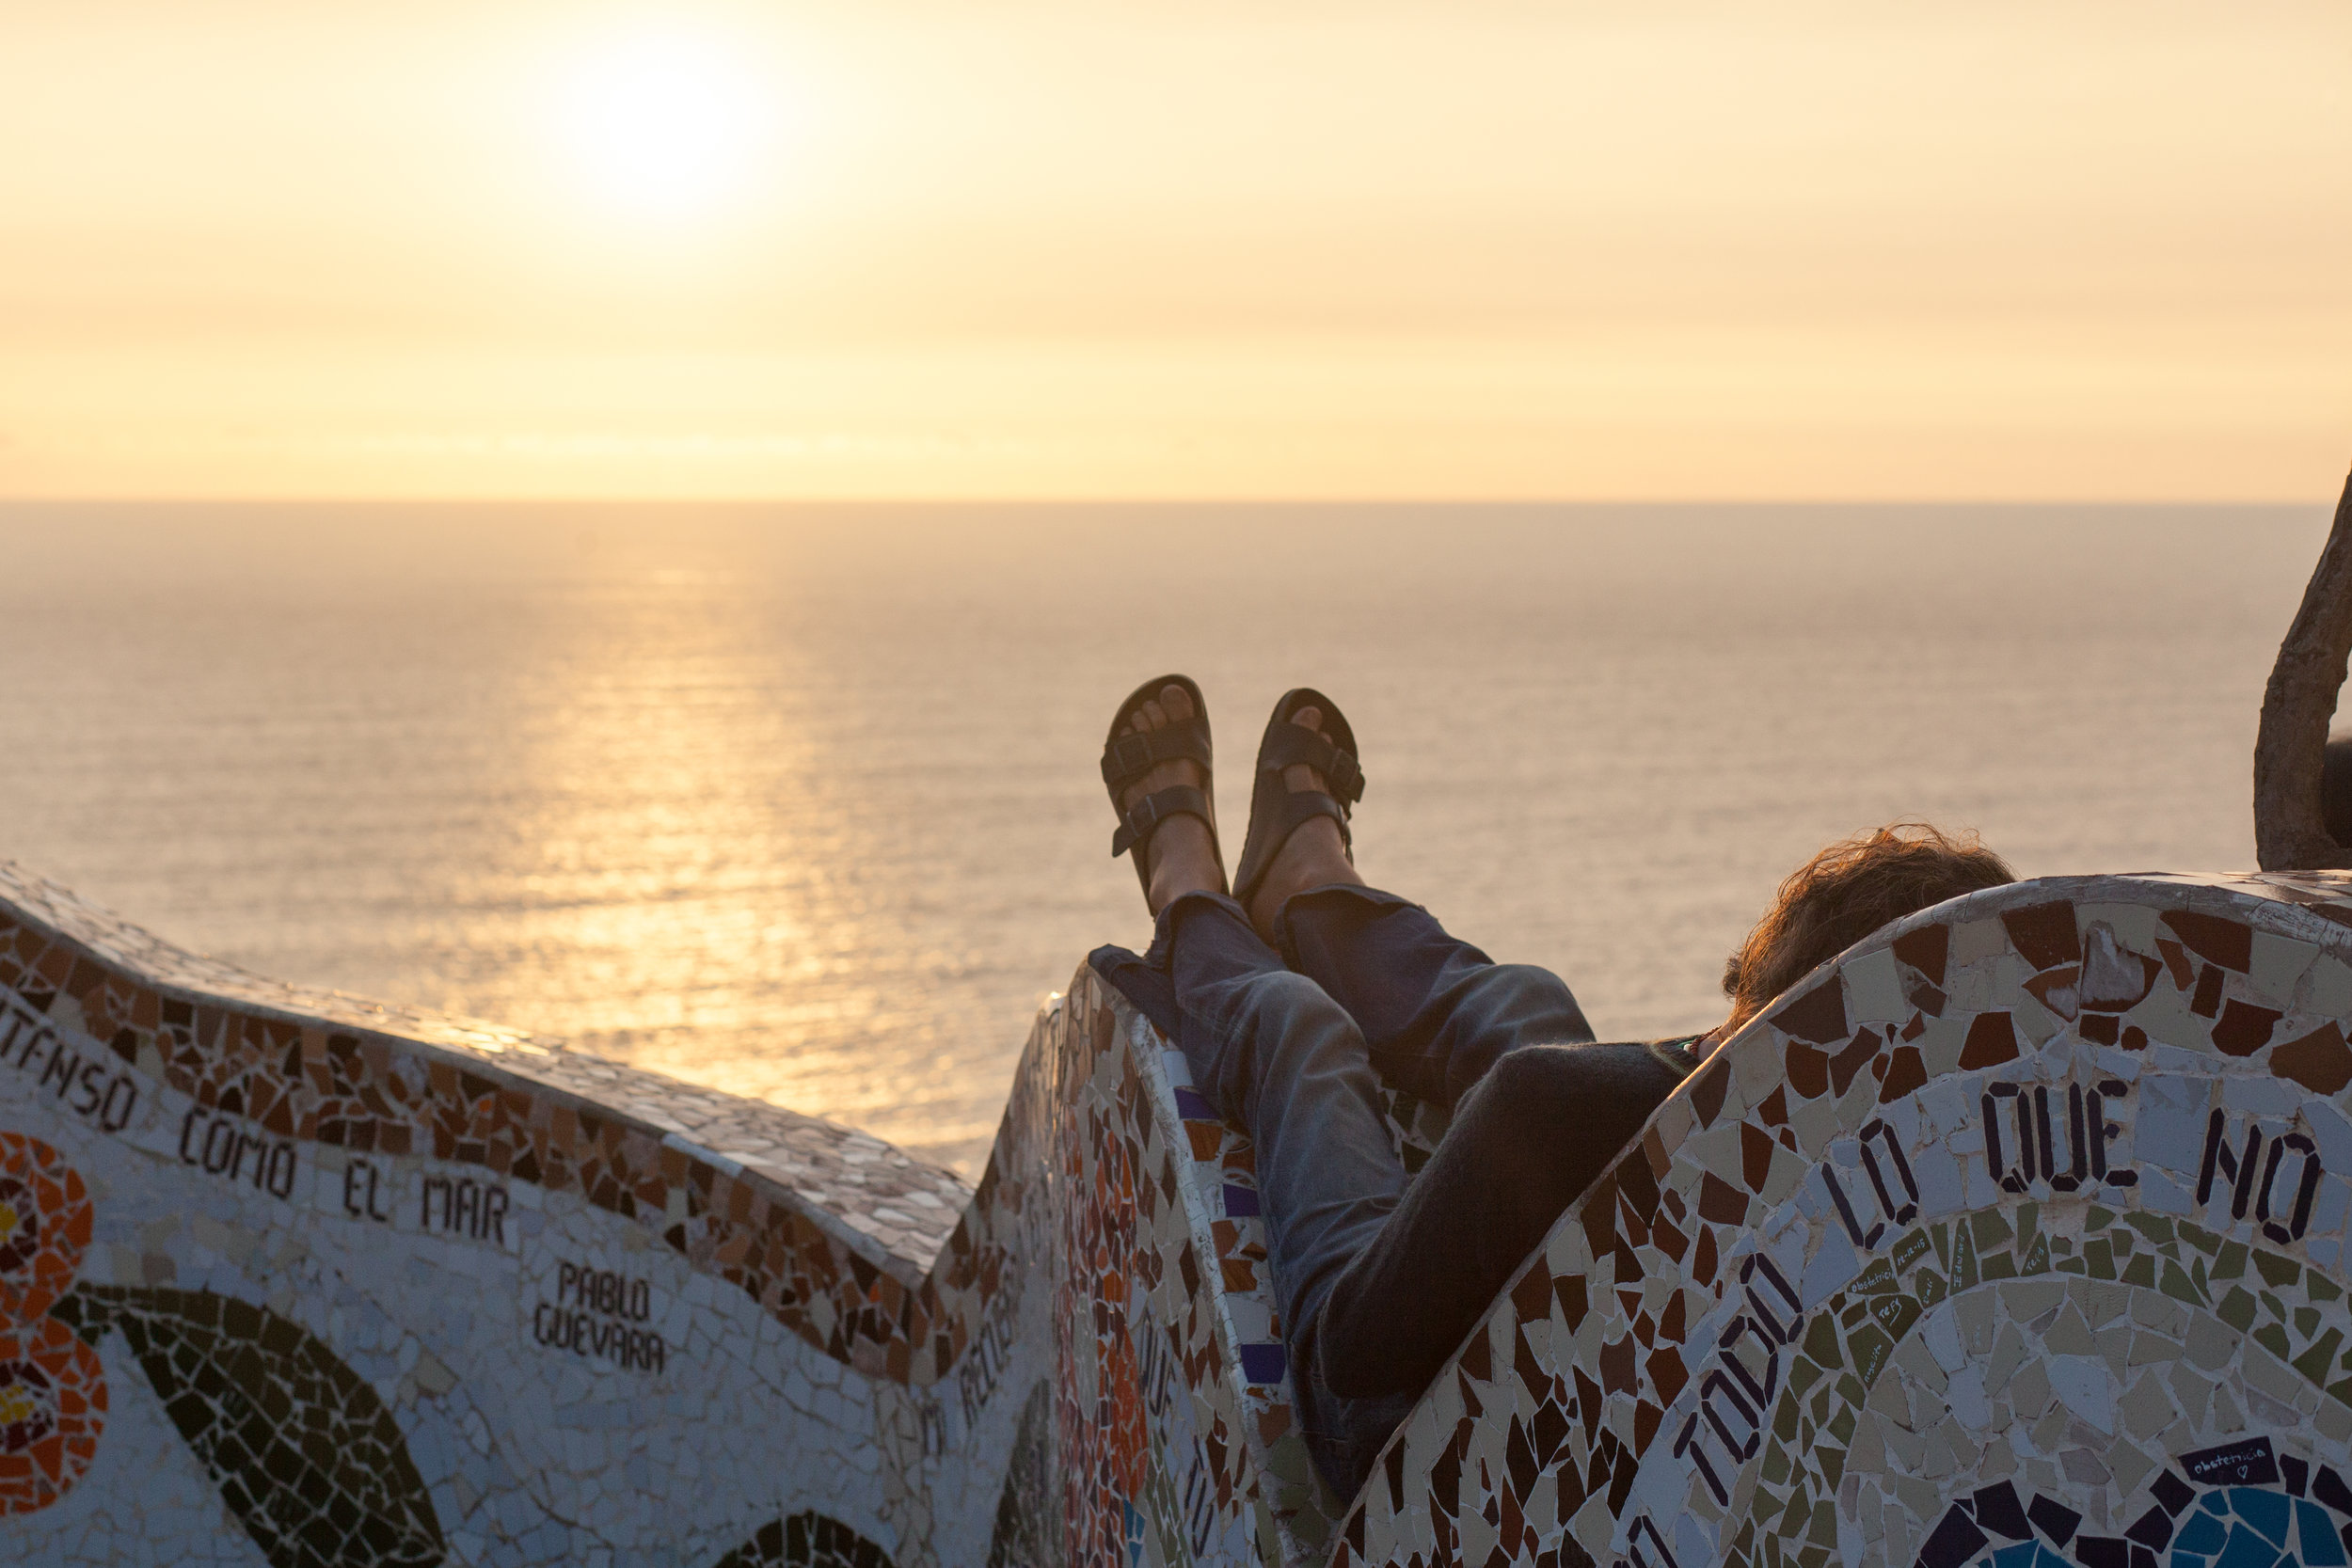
(1276, 810)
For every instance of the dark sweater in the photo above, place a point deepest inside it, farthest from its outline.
(1545, 1122)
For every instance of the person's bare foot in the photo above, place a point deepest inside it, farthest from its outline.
(1182, 850)
(1314, 856)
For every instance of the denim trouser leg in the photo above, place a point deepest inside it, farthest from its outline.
(1436, 1012)
(1273, 1052)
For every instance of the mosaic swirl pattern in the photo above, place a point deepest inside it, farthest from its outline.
(2015, 1237)
(376, 1286)
(2005, 1238)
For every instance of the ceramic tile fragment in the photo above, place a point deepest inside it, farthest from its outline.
(2060, 1295)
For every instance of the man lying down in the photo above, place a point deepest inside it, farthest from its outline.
(1294, 995)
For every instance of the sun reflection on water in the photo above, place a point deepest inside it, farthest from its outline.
(803, 804)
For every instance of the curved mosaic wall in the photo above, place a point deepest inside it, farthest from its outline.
(2013, 1238)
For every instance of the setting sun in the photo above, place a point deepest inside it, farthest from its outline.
(896, 248)
(666, 123)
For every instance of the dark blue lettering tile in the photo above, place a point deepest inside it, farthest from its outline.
(2245, 1461)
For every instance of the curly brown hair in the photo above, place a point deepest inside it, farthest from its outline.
(1845, 893)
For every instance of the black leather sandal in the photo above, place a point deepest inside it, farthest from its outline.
(1127, 757)
(1276, 810)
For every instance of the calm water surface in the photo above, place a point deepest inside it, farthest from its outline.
(802, 801)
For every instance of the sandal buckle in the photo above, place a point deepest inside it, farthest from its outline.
(1128, 755)
(1345, 776)
(1136, 826)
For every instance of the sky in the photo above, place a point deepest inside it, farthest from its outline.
(1035, 248)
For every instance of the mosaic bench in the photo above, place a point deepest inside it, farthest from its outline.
(2013, 1237)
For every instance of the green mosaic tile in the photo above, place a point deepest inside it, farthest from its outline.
(1806, 1458)
(1895, 1314)
(2277, 1273)
(1965, 1273)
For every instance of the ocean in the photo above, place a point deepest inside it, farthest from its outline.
(802, 802)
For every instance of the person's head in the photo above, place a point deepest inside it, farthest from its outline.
(1845, 893)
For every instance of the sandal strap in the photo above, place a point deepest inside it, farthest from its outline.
(1295, 809)
(1304, 806)
(1132, 754)
(1141, 819)
(1293, 744)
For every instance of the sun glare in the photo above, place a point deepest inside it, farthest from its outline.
(668, 124)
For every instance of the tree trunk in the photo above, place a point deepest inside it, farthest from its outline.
(2290, 829)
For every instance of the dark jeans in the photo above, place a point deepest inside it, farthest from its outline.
(1377, 1287)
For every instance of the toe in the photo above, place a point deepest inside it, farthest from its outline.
(1298, 776)
(1171, 705)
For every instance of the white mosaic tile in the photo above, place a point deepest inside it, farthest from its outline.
(2013, 1238)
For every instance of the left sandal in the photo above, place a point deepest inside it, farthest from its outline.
(1127, 758)
(1276, 810)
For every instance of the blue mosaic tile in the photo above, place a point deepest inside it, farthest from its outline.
(2245, 1549)
(1263, 1363)
(2203, 1533)
(2317, 1537)
(2266, 1511)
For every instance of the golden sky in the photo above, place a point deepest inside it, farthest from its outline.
(1043, 249)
